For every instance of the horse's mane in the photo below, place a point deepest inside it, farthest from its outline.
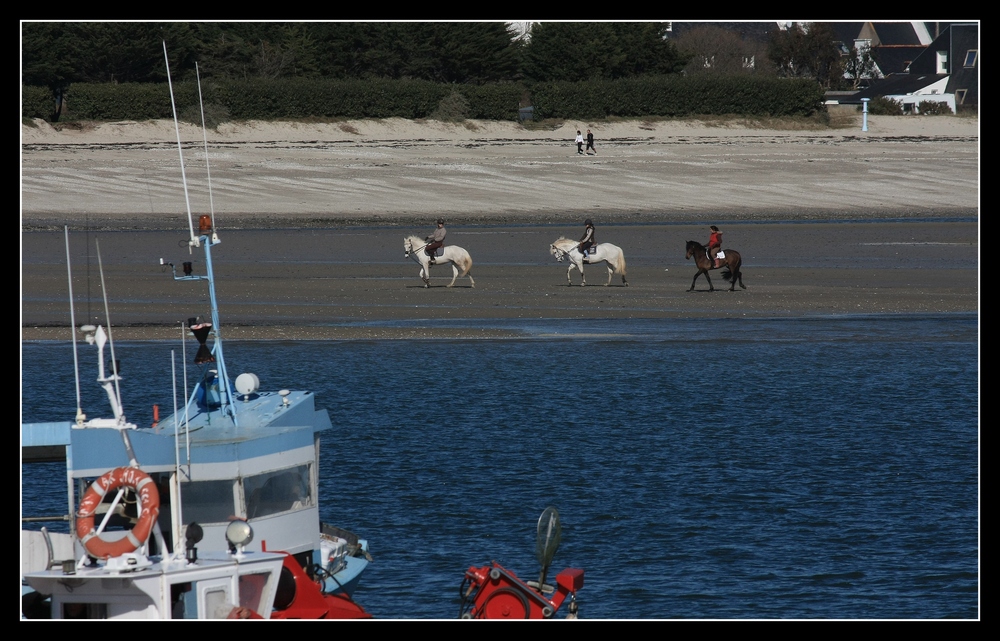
(694, 242)
(563, 239)
(416, 240)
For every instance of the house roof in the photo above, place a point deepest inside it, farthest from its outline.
(896, 34)
(898, 84)
(896, 58)
(847, 32)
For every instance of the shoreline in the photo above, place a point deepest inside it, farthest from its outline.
(272, 333)
(149, 222)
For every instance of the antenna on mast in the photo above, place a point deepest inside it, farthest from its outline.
(194, 242)
(118, 409)
(80, 416)
(204, 133)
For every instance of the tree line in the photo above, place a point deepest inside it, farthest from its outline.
(57, 54)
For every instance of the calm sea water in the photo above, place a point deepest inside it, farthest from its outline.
(786, 469)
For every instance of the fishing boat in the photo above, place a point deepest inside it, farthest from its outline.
(211, 512)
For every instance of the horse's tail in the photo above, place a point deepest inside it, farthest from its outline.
(466, 264)
(620, 266)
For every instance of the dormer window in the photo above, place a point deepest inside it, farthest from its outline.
(970, 58)
(942, 62)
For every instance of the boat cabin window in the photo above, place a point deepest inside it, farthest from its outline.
(252, 589)
(279, 491)
(208, 501)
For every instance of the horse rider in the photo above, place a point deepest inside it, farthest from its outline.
(588, 237)
(714, 245)
(436, 239)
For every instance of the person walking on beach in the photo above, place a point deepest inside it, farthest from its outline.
(588, 237)
(590, 143)
(579, 142)
(436, 239)
(714, 245)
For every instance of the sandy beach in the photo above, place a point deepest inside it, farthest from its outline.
(312, 219)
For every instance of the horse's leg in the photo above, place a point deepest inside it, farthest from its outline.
(454, 275)
(695, 279)
(611, 272)
(572, 266)
(425, 274)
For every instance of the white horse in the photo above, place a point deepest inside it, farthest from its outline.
(607, 253)
(461, 262)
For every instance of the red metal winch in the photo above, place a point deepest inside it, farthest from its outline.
(494, 592)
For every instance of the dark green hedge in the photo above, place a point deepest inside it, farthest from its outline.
(262, 99)
(675, 96)
(37, 102)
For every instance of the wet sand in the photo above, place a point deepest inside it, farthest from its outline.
(829, 223)
(309, 284)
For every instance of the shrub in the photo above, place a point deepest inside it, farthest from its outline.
(933, 108)
(882, 106)
(452, 108)
(215, 115)
(37, 102)
(671, 96)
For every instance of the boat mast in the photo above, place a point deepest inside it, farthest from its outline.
(206, 238)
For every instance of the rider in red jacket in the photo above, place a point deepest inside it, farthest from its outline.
(714, 245)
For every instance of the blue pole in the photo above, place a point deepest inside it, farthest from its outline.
(864, 114)
(227, 405)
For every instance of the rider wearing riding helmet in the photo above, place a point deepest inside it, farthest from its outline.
(436, 239)
(588, 237)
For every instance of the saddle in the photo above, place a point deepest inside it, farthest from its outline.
(435, 253)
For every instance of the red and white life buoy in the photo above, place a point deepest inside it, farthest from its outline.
(149, 510)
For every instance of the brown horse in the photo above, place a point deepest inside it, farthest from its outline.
(731, 263)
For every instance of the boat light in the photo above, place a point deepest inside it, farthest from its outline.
(239, 533)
